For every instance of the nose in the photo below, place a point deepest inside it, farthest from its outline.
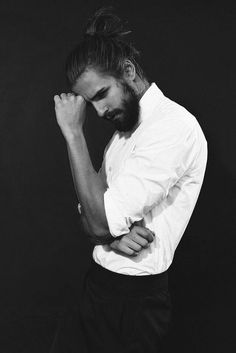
(101, 108)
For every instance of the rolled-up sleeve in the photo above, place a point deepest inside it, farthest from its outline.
(154, 166)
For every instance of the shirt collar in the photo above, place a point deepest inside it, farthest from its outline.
(149, 101)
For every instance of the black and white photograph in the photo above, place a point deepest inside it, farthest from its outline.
(117, 176)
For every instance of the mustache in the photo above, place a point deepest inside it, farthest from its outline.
(111, 115)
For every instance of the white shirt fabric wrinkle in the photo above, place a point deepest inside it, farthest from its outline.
(154, 174)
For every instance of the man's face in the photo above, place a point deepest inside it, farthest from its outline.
(113, 99)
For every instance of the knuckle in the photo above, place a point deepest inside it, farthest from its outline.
(124, 241)
(125, 250)
(145, 242)
(134, 253)
(145, 238)
(151, 237)
(139, 247)
(113, 245)
(80, 99)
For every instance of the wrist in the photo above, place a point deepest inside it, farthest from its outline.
(72, 136)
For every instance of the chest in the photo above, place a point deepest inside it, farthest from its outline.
(116, 157)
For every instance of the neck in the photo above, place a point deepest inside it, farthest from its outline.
(142, 86)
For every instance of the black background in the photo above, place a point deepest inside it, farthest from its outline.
(188, 50)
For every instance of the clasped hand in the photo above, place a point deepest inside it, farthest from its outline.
(132, 243)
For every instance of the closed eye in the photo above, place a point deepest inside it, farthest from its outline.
(100, 95)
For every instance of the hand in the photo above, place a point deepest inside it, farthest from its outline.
(133, 242)
(70, 113)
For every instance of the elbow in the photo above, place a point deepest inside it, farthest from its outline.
(98, 234)
(99, 227)
(101, 235)
(100, 231)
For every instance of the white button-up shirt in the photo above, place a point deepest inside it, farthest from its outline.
(155, 175)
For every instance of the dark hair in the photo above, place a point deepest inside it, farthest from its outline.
(103, 47)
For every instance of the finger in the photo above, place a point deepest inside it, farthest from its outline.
(134, 237)
(63, 96)
(71, 97)
(132, 244)
(144, 230)
(118, 246)
(80, 99)
(144, 243)
(113, 245)
(145, 233)
(126, 250)
(57, 99)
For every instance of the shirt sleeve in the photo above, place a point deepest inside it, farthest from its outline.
(161, 156)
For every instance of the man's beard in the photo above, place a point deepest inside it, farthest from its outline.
(129, 114)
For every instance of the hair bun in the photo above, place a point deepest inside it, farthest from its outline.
(105, 23)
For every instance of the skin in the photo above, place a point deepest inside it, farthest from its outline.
(107, 95)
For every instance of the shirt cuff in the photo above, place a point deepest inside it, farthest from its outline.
(117, 222)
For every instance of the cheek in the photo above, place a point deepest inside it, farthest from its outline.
(115, 99)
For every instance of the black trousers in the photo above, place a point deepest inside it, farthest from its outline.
(124, 314)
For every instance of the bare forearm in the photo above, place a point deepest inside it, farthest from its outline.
(93, 238)
(70, 114)
(89, 187)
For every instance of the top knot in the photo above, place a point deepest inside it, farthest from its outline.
(105, 23)
(103, 47)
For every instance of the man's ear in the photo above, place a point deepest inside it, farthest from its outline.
(129, 70)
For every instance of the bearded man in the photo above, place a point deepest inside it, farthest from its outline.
(136, 208)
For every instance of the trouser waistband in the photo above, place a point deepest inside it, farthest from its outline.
(127, 284)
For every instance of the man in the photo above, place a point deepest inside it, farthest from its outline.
(136, 208)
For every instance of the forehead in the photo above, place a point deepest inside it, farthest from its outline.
(91, 81)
